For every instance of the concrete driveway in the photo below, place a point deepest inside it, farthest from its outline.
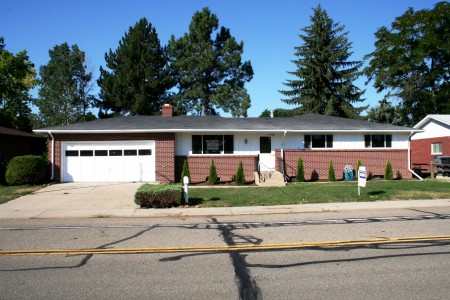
(75, 200)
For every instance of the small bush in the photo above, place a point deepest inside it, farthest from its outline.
(158, 196)
(388, 172)
(185, 171)
(240, 177)
(300, 177)
(356, 171)
(212, 178)
(29, 169)
(331, 174)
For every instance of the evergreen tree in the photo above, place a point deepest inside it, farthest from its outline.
(65, 85)
(17, 78)
(185, 171)
(137, 79)
(412, 61)
(209, 72)
(359, 164)
(324, 74)
(386, 113)
(212, 178)
(300, 170)
(388, 172)
(240, 177)
(331, 174)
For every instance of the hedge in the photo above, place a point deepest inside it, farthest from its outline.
(29, 169)
(158, 196)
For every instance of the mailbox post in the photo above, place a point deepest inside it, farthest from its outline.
(186, 193)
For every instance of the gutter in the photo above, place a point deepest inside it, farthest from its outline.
(409, 157)
(53, 156)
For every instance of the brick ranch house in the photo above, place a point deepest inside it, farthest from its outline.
(153, 148)
(433, 140)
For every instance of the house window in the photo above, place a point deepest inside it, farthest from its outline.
(212, 144)
(436, 148)
(378, 140)
(318, 141)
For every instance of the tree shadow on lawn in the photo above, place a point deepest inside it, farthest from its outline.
(376, 193)
(198, 201)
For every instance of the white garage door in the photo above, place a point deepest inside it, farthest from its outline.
(108, 161)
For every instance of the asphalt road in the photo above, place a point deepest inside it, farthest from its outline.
(410, 270)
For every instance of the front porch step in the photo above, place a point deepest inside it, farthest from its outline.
(268, 178)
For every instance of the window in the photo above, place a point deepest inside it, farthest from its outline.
(436, 148)
(145, 152)
(265, 144)
(212, 144)
(378, 141)
(318, 141)
(71, 152)
(130, 152)
(86, 153)
(101, 152)
(115, 152)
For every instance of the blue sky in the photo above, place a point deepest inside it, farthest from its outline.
(269, 30)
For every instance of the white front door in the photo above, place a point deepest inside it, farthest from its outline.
(266, 154)
(117, 161)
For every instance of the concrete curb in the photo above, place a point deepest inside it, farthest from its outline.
(137, 212)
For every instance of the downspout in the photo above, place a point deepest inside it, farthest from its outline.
(282, 156)
(409, 157)
(53, 156)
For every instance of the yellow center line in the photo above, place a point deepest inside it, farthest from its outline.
(249, 247)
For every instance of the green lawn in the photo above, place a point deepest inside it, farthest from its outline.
(12, 192)
(320, 192)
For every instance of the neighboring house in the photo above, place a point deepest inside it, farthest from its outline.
(15, 143)
(153, 148)
(433, 141)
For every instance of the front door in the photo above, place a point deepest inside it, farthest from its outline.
(266, 155)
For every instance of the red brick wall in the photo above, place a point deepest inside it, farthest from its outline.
(319, 161)
(164, 148)
(226, 166)
(421, 151)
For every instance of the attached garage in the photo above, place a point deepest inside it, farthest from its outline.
(112, 161)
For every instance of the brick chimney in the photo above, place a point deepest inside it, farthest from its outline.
(167, 110)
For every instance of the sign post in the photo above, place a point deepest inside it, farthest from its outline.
(186, 196)
(362, 176)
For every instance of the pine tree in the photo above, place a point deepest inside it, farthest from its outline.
(137, 79)
(185, 171)
(212, 179)
(331, 174)
(300, 170)
(209, 72)
(324, 74)
(357, 169)
(240, 177)
(388, 172)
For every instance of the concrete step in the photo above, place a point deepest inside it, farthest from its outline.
(270, 179)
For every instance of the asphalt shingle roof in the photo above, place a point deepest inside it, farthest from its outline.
(303, 123)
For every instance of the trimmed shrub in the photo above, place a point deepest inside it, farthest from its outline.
(300, 176)
(158, 196)
(331, 174)
(388, 172)
(212, 178)
(185, 171)
(240, 177)
(28, 169)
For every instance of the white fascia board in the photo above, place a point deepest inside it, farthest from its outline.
(220, 130)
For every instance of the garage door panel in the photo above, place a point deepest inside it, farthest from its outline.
(108, 161)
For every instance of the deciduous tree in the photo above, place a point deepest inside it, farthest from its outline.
(65, 87)
(17, 78)
(412, 61)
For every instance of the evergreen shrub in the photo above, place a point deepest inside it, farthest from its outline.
(388, 172)
(28, 169)
(240, 177)
(300, 177)
(185, 171)
(212, 178)
(331, 174)
(158, 195)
